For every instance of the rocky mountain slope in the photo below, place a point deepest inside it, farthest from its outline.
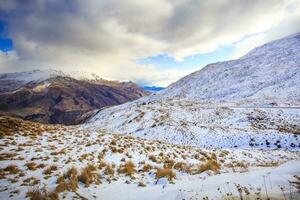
(250, 102)
(55, 97)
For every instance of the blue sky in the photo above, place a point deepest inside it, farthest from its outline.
(165, 62)
(6, 44)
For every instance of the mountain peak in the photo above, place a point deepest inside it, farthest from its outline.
(290, 43)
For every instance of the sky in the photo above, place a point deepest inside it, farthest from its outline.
(152, 42)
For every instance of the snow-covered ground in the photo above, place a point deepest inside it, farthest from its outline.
(35, 156)
(273, 180)
(203, 125)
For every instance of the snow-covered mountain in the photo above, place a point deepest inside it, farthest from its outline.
(267, 74)
(250, 102)
(11, 81)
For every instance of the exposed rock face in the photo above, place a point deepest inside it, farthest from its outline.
(63, 99)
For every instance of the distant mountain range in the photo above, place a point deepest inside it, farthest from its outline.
(53, 96)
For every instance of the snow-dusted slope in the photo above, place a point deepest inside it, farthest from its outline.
(66, 163)
(13, 81)
(267, 74)
(250, 102)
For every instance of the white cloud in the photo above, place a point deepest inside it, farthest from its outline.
(107, 37)
(288, 22)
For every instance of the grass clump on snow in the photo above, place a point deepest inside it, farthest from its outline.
(68, 181)
(165, 173)
(42, 194)
(88, 175)
(128, 168)
(211, 164)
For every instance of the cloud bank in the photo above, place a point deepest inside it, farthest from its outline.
(108, 37)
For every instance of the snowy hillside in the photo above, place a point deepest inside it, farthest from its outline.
(62, 162)
(250, 102)
(269, 74)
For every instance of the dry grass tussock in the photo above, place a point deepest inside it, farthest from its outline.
(211, 164)
(165, 173)
(128, 168)
(68, 181)
(42, 194)
(12, 169)
(50, 169)
(88, 175)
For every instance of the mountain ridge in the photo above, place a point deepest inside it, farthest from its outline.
(58, 98)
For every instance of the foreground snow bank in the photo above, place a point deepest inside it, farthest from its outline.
(273, 182)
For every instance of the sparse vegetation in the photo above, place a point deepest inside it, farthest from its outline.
(158, 160)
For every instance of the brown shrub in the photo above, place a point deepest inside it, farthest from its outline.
(141, 184)
(72, 172)
(113, 142)
(8, 156)
(42, 165)
(50, 169)
(102, 165)
(85, 177)
(31, 166)
(35, 194)
(68, 181)
(109, 170)
(168, 163)
(88, 176)
(212, 165)
(42, 194)
(147, 168)
(12, 169)
(165, 172)
(128, 168)
(180, 166)
(152, 158)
